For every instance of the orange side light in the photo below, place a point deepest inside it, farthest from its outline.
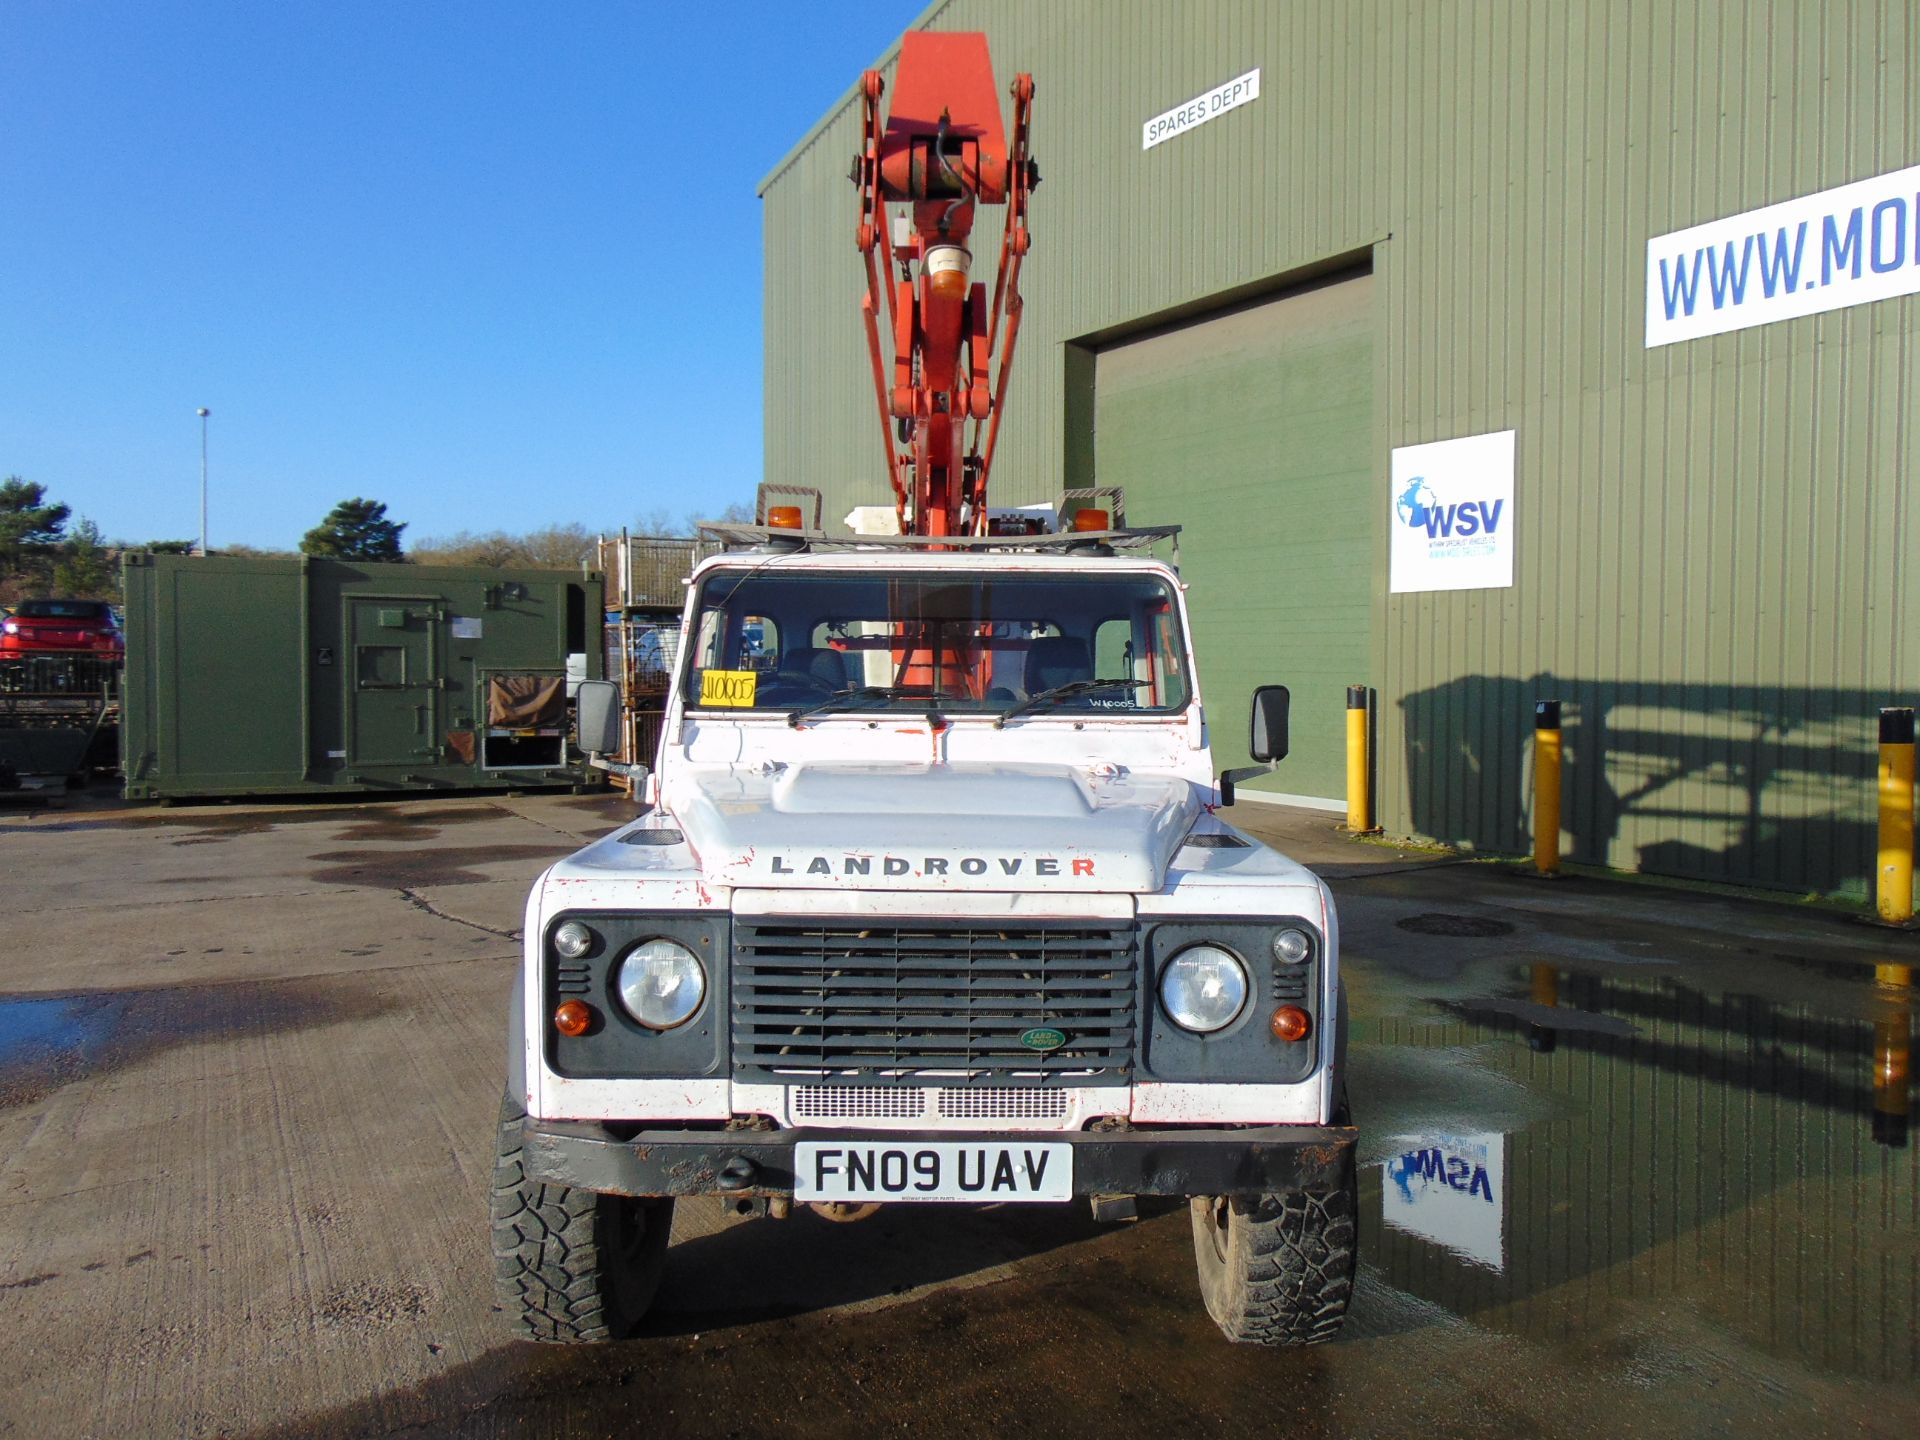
(573, 1017)
(1091, 520)
(1290, 1022)
(783, 517)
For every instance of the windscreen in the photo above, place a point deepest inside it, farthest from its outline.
(955, 641)
(93, 610)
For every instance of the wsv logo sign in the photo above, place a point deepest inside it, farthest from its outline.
(1420, 509)
(1450, 516)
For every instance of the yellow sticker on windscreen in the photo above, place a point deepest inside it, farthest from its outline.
(728, 687)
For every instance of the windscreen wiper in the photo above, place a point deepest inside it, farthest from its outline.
(859, 695)
(1060, 692)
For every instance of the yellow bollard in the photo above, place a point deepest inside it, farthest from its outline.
(1894, 877)
(1359, 771)
(1546, 787)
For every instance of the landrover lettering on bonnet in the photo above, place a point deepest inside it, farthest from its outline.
(1008, 865)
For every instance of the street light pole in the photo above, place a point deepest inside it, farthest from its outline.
(203, 412)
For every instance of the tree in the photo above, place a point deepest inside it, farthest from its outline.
(557, 547)
(30, 530)
(493, 548)
(356, 529)
(657, 523)
(83, 570)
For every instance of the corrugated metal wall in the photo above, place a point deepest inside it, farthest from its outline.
(1712, 561)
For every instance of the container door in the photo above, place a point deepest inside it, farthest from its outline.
(392, 680)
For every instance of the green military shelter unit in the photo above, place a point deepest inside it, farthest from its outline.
(277, 676)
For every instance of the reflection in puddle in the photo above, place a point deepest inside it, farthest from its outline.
(47, 1041)
(1892, 1054)
(1738, 1154)
(39, 1029)
(1451, 1189)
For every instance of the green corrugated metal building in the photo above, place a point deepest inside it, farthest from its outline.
(1435, 222)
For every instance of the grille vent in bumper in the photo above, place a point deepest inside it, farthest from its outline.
(857, 1102)
(853, 1000)
(871, 1102)
(1003, 1104)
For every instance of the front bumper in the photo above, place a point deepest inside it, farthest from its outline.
(1258, 1160)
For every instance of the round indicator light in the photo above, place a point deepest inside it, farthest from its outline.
(1290, 1022)
(573, 1017)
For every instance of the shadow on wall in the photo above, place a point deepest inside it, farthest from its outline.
(1750, 785)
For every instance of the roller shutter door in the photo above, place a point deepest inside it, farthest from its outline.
(1253, 428)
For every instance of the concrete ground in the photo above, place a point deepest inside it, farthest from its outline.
(1635, 1162)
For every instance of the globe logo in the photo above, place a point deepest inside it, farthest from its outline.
(1415, 502)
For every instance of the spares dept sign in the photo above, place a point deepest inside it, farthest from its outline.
(1231, 95)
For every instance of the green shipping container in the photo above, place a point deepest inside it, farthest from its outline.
(280, 676)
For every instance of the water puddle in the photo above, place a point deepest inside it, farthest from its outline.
(47, 1041)
(1739, 1151)
(428, 866)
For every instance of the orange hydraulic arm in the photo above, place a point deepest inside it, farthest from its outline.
(942, 152)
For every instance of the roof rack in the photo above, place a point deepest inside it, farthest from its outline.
(760, 537)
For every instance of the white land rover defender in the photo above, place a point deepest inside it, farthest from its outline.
(933, 903)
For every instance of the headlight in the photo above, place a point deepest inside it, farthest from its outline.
(661, 984)
(572, 940)
(1290, 947)
(1203, 988)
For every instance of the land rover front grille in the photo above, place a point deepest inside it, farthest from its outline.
(1049, 1003)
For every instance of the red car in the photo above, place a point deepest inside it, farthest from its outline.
(62, 627)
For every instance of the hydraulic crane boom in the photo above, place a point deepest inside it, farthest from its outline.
(943, 153)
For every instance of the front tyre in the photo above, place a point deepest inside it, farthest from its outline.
(1277, 1269)
(570, 1266)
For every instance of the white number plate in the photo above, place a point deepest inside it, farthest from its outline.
(931, 1170)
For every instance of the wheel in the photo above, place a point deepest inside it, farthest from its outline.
(570, 1265)
(1277, 1269)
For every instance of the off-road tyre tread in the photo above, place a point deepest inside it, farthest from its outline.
(555, 1274)
(1289, 1268)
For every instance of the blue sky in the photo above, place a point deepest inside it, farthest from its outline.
(497, 265)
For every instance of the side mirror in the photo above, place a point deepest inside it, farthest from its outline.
(597, 709)
(1267, 741)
